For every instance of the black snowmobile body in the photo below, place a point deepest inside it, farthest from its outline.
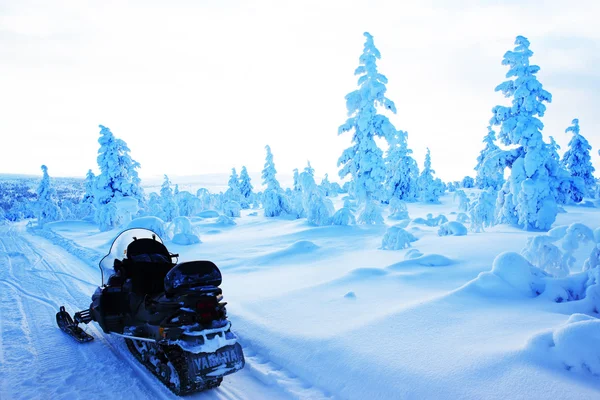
(171, 314)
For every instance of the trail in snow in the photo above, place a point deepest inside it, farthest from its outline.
(38, 361)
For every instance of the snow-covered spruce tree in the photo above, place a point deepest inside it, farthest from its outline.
(430, 188)
(364, 159)
(489, 177)
(88, 196)
(296, 185)
(169, 207)
(118, 178)
(528, 198)
(47, 209)
(577, 158)
(233, 192)
(309, 169)
(325, 186)
(275, 202)
(402, 171)
(467, 182)
(245, 189)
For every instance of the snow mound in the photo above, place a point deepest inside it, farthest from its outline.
(298, 251)
(225, 220)
(518, 273)
(412, 253)
(396, 238)
(155, 224)
(185, 239)
(574, 346)
(208, 214)
(350, 295)
(427, 260)
(367, 272)
(430, 221)
(301, 246)
(452, 228)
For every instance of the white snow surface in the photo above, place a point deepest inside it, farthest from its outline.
(321, 312)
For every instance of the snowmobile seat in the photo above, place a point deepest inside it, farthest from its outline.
(193, 276)
(147, 246)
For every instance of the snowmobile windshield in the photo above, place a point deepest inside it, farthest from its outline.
(118, 249)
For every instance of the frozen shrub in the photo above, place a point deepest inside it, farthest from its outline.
(231, 209)
(452, 228)
(397, 238)
(343, 216)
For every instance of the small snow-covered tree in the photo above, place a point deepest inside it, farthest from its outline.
(482, 210)
(364, 159)
(170, 209)
(245, 189)
(468, 182)
(318, 208)
(528, 198)
(493, 175)
(577, 158)
(402, 171)
(296, 185)
(430, 188)
(463, 200)
(233, 192)
(275, 201)
(47, 204)
(309, 169)
(88, 196)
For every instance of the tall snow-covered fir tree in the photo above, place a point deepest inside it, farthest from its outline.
(309, 169)
(118, 178)
(577, 158)
(364, 159)
(402, 171)
(47, 209)
(245, 188)
(430, 188)
(296, 185)
(489, 175)
(169, 206)
(528, 197)
(275, 202)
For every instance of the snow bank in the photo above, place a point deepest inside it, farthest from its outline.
(430, 221)
(452, 228)
(208, 214)
(424, 260)
(574, 345)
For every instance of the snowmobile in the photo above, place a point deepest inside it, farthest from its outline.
(170, 314)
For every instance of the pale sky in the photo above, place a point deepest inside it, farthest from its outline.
(198, 87)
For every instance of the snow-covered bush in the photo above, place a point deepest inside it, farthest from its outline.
(364, 159)
(188, 204)
(127, 208)
(152, 223)
(47, 209)
(577, 159)
(318, 208)
(483, 210)
(430, 221)
(370, 213)
(396, 238)
(233, 192)
(528, 198)
(544, 254)
(231, 209)
(468, 182)
(463, 200)
(182, 232)
(205, 198)
(343, 216)
(463, 218)
(430, 189)
(398, 209)
(452, 228)
(225, 220)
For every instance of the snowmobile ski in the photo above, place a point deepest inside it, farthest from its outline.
(70, 327)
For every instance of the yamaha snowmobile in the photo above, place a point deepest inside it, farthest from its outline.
(170, 314)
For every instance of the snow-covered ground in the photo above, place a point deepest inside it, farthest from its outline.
(322, 312)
